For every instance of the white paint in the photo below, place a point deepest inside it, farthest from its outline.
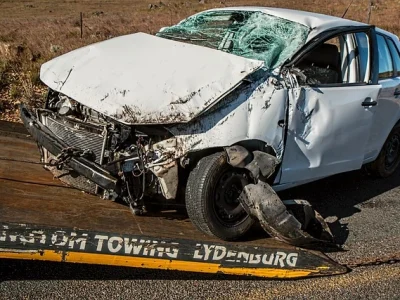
(255, 258)
(115, 244)
(55, 238)
(73, 240)
(291, 259)
(19, 250)
(42, 236)
(219, 252)
(132, 247)
(197, 254)
(246, 117)
(280, 258)
(148, 248)
(244, 256)
(328, 131)
(207, 252)
(386, 115)
(101, 239)
(270, 259)
(231, 255)
(159, 80)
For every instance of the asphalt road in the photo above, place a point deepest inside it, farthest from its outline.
(363, 214)
(37, 280)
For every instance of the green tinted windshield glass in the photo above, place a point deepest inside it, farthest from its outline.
(249, 34)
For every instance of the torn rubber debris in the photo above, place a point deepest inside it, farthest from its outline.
(294, 222)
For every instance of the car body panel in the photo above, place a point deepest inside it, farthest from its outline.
(387, 114)
(140, 78)
(252, 114)
(328, 131)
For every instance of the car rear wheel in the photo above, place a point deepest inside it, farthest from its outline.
(389, 158)
(212, 198)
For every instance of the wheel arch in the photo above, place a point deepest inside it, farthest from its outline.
(250, 145)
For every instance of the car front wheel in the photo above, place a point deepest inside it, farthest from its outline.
(212, 198)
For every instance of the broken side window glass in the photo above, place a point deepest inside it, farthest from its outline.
(250, 34)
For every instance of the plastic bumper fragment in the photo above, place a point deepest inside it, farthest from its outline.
(293, 221)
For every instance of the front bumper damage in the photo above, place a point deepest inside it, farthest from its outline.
(44, 137)
(294, 222)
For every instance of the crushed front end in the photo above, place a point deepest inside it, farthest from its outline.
(96, 154)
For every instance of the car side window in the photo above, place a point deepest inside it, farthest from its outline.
(385, 58)
(395, 55)
(322, 65)
(341, 60)
(362, 50)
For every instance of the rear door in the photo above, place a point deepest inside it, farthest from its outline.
(389, 97)
(331, 113)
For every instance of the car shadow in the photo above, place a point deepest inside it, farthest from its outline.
(342, 196)
(23, 270)
(335, 198)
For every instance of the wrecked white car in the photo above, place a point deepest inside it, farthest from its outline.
(220, 111)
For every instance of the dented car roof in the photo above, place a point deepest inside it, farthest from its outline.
(316, 22)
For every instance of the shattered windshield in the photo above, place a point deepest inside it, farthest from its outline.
(250, 34)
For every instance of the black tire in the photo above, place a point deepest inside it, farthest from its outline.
(388, 159)
(212, 203)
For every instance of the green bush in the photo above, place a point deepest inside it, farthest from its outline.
(15, 92)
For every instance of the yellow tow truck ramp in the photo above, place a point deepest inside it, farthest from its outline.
(23, 241)
(42, 219)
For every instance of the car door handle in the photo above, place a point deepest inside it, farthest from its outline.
(369, 102)
(397, 92)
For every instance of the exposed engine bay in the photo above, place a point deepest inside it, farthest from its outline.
(126, 152)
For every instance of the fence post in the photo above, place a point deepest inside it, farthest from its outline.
(370, 10)
(81, 25)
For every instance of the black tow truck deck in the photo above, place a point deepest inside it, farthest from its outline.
(43, 219)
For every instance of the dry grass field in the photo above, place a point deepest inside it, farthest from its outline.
(32, 32)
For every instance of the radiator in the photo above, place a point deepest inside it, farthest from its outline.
(79, 135)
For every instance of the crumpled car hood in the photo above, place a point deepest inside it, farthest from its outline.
(144, 79)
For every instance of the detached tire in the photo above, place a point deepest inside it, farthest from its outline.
(212, 193)
(388, 159)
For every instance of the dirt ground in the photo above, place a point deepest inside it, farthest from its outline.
(32, 32)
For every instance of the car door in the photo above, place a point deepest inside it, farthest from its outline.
(388, 112)
(331, 113)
